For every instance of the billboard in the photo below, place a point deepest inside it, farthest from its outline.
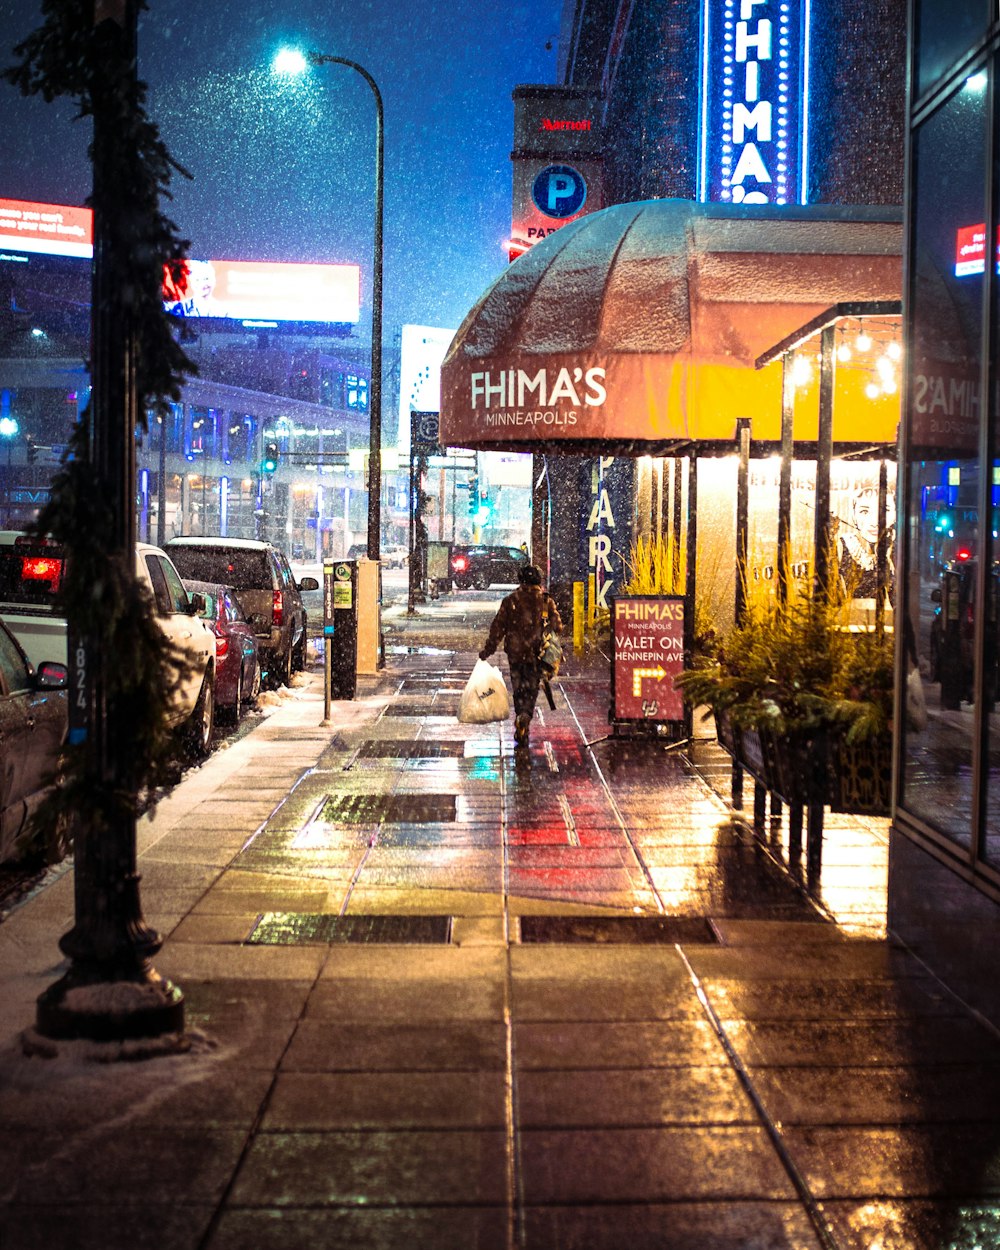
(264, 293)
(48, 229)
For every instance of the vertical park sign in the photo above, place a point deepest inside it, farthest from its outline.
(647, 641)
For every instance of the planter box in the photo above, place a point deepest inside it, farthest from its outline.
(859, 776)
(818, 767)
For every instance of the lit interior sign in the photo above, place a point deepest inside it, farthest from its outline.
(51, 229)
(970, 250)
(753, 123)
(263, 292)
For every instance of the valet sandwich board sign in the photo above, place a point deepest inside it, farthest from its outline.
(647, 653)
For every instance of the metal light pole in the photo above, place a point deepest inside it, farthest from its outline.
(110, 945)
(375, 415)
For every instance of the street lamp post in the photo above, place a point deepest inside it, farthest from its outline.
(375, 414)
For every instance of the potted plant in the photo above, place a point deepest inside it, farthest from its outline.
(801, 701)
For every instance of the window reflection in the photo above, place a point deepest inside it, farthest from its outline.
(945, 31)
(945, 536)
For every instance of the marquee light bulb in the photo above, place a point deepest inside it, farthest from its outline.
(873, 390)
(863, 342)
(894, 351)
(843, 353)
(801, 371)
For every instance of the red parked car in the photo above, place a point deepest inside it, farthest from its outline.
(237, 662)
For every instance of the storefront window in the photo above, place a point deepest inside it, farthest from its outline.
(175, 428)
(990, 847)
(239, 439)
(203, 423)
(945, 537)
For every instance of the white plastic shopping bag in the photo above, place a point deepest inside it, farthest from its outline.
(484, 698)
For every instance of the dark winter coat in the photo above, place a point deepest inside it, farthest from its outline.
(519, 624)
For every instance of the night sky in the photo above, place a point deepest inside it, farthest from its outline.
(284, 168)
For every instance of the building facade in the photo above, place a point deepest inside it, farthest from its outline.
(750, 102)
(944, 884)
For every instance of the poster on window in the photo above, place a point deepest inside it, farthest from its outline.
(855, 526)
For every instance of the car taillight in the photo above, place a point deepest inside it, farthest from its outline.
(41, 569)
(221, 643)
(459, 563)
(278, 608)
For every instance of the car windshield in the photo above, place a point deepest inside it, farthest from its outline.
(227, 566)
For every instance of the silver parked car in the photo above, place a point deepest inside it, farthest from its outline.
(265, 586)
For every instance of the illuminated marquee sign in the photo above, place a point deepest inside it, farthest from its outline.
(753, 121)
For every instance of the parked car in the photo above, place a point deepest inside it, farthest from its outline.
(191, 703)
(265, 586)
(483, 567)
(237, 665)
(33, 722)
(395, 557)
(31, 570)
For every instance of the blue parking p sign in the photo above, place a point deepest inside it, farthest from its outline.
(559, 191)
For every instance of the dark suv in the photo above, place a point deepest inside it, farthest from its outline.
(482, 566)
(265, 588)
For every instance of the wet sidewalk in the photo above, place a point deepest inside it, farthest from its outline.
(440, 999)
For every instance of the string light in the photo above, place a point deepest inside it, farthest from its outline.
(801, 371)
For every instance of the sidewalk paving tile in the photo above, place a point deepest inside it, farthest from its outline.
(386, 1100)
(400, 1228)
(378, 1168)
(722, 1225)
(650, 1165)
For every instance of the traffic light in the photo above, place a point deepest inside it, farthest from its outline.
(473, 494)
(270, 461)
(32, 449)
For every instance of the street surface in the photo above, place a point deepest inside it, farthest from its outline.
(438, 999)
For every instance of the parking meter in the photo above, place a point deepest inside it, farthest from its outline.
(340, 629)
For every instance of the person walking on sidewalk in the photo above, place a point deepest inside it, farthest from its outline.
(519, 623)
